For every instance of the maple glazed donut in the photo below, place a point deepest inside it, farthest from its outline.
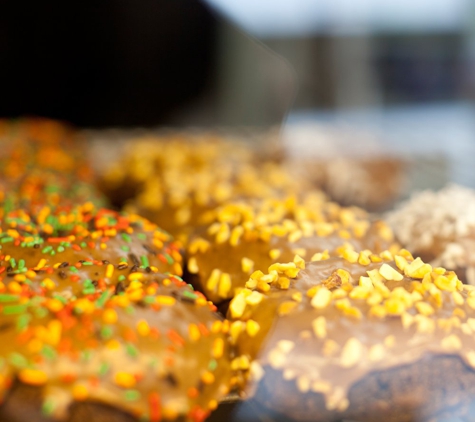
(244, 237)
(366, 338)
(155, 351)
(55, 236)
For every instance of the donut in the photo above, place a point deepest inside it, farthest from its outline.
(244, 237)
(175, 182)
(155, 351)
(364, 338)
(68, 235)
(439, 227)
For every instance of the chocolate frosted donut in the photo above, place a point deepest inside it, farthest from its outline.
(244, 237)
(55, 236)
(367, 338)
(156, 352)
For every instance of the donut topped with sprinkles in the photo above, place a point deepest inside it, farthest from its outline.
(130, 350)
(84, 233)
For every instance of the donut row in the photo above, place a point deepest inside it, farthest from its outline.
(307, 308)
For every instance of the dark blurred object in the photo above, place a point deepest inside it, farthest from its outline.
(104, 62)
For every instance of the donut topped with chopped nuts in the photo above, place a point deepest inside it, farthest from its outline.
(58, 235)
(444, 236)
(323, 331)
(243, 237)
(174, 181)
(155, 352)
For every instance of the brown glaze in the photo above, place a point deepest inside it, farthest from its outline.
(338, 322)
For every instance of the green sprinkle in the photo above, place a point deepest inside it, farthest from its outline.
(123, 259)
(60, 249)
(131, 350)
(48, 352)
(18, 360)
(189, 295)
(130, 310)
(121, 277)
(126, 237)
(149, 299)
(103, 299)
(144, 260)
(83, 244)
(8, 298)
(132, 395)
(106, 332)
(47, 249)
(86, 355)
(7, 239)
(62, 299)
(12, 262)
(141, 236)
(14, 309)
(169, 258)
(213, 364)
(73, 269)
(48, 407)
(125, 248)
(23, 321)
(21, 264)
(87, 263)
(41, 312)
(103, 369)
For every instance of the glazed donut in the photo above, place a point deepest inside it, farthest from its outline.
(364, 338)
(68, 235)
(154, 351)
(174, 181)
(244, 237)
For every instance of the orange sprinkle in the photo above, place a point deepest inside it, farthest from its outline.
(175, 338)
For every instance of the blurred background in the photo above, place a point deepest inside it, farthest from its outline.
(399, 71)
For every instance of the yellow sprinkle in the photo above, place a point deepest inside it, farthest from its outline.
(252, 328)
(32, 376)
(135, 276)
(218, 348)
(41, 264)
(194, 332)
(35, 345)
(15, 287)
(124, 380)
(193, 265)
(80, 392)
(103, 246)
(54, 305)
(109, 316)
(109, 271)
(113, 344)
(143, 328)
(207, 377)
(165, 300)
